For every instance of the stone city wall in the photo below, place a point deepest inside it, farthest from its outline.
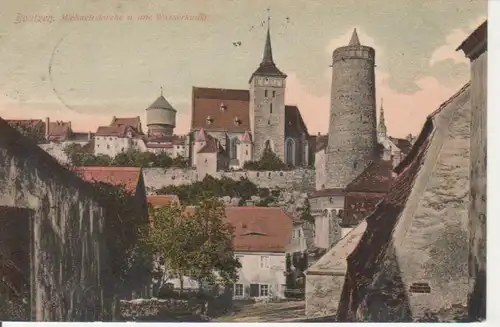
(299, 179)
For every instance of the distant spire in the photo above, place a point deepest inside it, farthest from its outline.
(268, 51)
(354, 39)
(382, 128)
(161, 90)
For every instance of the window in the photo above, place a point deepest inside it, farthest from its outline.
(263, 290)
(270, 108)
(274, 94)
(269, 122)
(238, 290)
(355, 165)
(246, 152)
(265, 93)
(290, 152)
(264, 262)
(233, 148)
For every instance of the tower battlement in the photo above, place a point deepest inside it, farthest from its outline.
(354, 52)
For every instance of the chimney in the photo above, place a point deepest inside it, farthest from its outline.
(47, 128)
(89, 135)
(319, 133)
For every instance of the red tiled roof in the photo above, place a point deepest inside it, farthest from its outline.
(118, 131)
(207, 102)
(358, 205)
(163, 200)
(260, 229)
(125, 176)
(211, 146)
(377, 178)
(59, 131)
(328, 192)
(135, 122)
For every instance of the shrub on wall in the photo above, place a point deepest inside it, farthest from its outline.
(129, 158)
(269, 162)
(193, 194)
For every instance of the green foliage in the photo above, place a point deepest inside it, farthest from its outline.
(198, 245)
(124, 223)
(35, 133)
(305, 212)
(129, 158)
(192, 194)
(268, 162)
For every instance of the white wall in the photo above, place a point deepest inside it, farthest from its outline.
(252, 273)
(319, 165)
(111, 145)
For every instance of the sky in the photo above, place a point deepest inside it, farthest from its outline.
(89, 71)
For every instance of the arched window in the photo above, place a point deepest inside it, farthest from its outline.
(290, 152)
(233, 148)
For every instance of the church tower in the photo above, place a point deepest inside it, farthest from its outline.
(352, 135)
(267, 104)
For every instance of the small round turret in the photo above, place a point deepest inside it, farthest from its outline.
(160, 117)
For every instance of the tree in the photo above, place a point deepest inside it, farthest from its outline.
(129, 259)
(198, 245)
(34, 133)
(269, 162)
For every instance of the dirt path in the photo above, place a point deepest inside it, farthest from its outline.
(265, 312)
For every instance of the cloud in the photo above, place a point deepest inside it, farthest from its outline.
(448, 51)
(405, 112)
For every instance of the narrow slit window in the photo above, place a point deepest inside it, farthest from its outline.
(265, 93)
(270, 108)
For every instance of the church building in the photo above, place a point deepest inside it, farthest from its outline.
(230, 127)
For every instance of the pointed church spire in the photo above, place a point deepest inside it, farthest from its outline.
(267, 67)
(382, 128)
(267, 58)
(354, 39)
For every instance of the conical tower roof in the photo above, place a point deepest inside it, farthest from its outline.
(161, 103)
(354, 39)
(267, 65)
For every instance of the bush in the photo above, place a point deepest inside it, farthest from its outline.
(269, 162)
(129, 158)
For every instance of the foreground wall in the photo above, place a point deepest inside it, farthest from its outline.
(69, 258)
(477, 213)
(299, 179)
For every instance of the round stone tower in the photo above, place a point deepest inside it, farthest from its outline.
(352, 135)
(160, 117)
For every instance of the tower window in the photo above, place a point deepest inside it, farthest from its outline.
(269, 122)
(270, 108)
(274, 94)
(265, 93)
(355, 165)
